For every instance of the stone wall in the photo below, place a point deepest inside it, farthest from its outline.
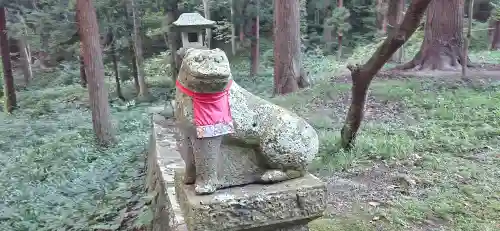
(155, 185)
(162, 161)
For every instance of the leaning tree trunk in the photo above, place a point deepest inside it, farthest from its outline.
(363, 75)
(288, 74)
(94, 68)
(495, 35)
(9, 89)
(139, 56)
(442, 47)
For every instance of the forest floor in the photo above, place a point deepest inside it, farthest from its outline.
(427, 156)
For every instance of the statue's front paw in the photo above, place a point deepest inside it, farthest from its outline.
(205, 188)
(189, 178)
(272, 176)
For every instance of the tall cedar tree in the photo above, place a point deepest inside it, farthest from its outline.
(255, 41)
(94, 68)
(173, 35)
(139, 54)
(442, 47)
(495, 34)
(340, 3)
(9, 90)
(394, 17)
(288, 74)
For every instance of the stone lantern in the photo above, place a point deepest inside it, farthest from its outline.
(191, 26)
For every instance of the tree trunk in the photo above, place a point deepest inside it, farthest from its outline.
(25, 60)
(255, 42)
(94, 68)
(43, 54)
(115, 69)
(442, 46)
(495, 35)
(382, 16)
(242, 33)
(363, 75)
(394, 18)
(340, 3)
(327, 29)
(206, 10)
(287, 55)
(135, 73)
(173, 36)
(83, 76)
(139, 57)
(467, 39)
(233, 29)
(8, 78)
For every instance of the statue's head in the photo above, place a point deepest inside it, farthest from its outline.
(205, 71)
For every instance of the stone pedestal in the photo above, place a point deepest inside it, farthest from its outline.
(286, 206)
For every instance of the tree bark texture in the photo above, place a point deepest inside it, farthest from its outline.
(255, 42)
(363, 75)
(83, 76)
(114, 59)
(288, 74)
(94, 68)
(135, 73)
(139, 55)
(495, 35)
(233, 29)
(8, 78)
(442, 48)
(327, 29)
(467, 38)
(340, 3)
(206, 11)
(25, 60)
(382, 16)
(173, 37)
(394, 18)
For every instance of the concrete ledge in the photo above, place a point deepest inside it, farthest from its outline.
(155, 185)
(161, 161)
(288, 205)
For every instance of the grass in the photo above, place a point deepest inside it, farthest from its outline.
(52, 175)
(444, 138)
(453, 132)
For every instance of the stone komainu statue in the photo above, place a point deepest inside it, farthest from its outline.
(228, 136)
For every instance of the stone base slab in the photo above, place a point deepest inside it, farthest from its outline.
(285, 206)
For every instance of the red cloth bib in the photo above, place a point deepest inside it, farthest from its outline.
(212, 115)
